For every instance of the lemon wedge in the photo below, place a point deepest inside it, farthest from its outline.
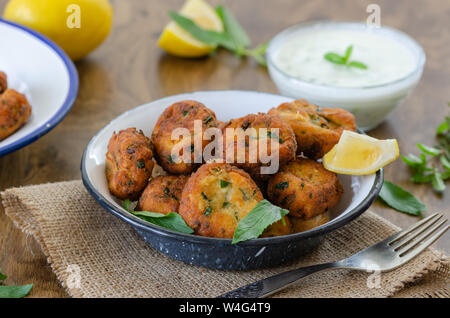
(176, 41)
(357, 154)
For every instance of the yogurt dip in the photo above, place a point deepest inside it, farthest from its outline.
(394, 66)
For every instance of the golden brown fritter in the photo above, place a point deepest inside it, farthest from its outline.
(284, 140)
(216, 197)
(302, 225)
(282, 227)
(316, 129)
(180, 115)
(129, 163)
(305, 188)
(163, 194)
(3, 82)
(14, 112)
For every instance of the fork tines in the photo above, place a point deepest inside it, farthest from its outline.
(419, 236)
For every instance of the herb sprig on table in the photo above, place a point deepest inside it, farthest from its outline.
(433, 164)
(171, 221)
(345, 59)
(13, 291)
(234, 38)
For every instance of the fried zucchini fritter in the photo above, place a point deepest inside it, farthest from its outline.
(129, 163)
(302, 225)
(163, 194)
(14, 112)
(180, 115)
(305, 188)
(216, 197)
(3, 82)
(317, 129)
(284, 140)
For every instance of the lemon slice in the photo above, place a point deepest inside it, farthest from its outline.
(176, 41)
(357, 154)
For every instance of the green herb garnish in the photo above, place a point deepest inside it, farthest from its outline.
(207, 120)
(141, 164)
(344, 60)
(224, 183)
(208, 211)
(282, 185)
(171, 221)
(225, 204)
(400, 199)
(427, 169)
(13, 291)
(234, 38)
(254, 223)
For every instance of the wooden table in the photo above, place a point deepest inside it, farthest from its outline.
(129, 69)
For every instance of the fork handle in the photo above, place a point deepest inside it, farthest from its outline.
(272, 284)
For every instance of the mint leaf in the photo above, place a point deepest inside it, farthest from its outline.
(400, 199)
(15, 291)
(233, 29)
(358, 65)
(171, 221)
(335, 58)
(348, 52)
(206, 36)
(260, 217)
(445, 162)
(443, 127)
(429, 150)
(412, 160)
(437, 182)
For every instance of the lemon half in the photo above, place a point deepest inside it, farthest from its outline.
(357, 154)
(176, 41)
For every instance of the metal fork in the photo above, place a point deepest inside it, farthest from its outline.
(384, 256)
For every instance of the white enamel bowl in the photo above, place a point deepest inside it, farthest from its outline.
(38, 68)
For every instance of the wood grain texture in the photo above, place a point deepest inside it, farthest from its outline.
(129, 69)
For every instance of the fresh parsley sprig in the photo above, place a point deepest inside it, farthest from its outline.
(344, 60)
(433, 165)
(171, 221)
(234, 38)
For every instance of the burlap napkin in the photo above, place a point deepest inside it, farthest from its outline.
(94, 254)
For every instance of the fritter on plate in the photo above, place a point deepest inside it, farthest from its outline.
(129, 163)
(305, 188)
(14, 112)
(256, 130)
(181, 115)
(162, 194)
(316, 129)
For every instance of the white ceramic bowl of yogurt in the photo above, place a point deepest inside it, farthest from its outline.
(394, 66)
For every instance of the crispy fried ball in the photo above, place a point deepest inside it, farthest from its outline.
(129, 163)
(302, 225)
(3, 82)
(305, 188)
(284, 140)
(216, 197)
(14, 112)
(163, 194)
(316, 129)
(180, 115)
(282, 227)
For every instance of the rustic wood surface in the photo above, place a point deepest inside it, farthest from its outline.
(129, 69)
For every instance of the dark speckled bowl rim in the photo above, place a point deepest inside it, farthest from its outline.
(196, 239)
